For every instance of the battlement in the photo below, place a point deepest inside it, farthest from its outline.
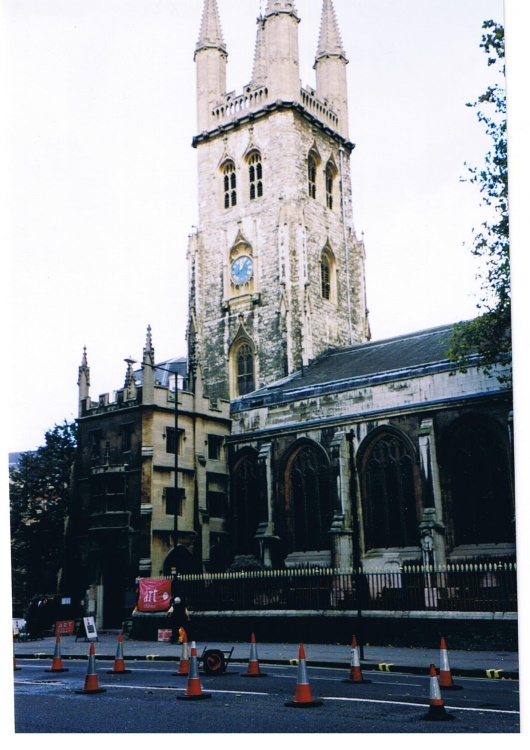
(231, 107)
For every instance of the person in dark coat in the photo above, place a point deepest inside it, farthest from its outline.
(180, 618)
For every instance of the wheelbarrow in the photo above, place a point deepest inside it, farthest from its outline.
(214, 661)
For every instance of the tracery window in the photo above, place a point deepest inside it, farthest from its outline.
(248, 503)
(477, 468)
(389, 482)
(244, 369)
(255, 175)
(309, 497)
(229, 185)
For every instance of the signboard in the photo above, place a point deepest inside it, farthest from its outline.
(18, 625)
(154, 595)
(65, 627)
(89, 626)
(164, 636)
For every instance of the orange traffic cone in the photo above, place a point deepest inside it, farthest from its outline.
(446, 679)
(436, 710)
(356, 674)
(119, 663)
(302, 696)
(184, 665)
(57, 663)
(253, 663)
(91, 679)
(194, 688)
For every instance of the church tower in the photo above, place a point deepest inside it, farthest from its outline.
(276, 270)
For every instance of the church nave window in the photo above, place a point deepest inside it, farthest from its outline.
(325, 277)
(229, 185)
(255, 176)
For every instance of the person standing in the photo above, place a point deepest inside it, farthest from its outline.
(180, 618)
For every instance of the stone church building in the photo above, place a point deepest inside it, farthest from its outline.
(340, 447)
(327, 448)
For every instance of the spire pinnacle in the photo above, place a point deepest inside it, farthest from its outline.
(149, 351)
(84, 369)
(211, 35)
(330, 42)
(259, 73)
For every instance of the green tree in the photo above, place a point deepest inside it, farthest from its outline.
(488, 336)
(39, 496)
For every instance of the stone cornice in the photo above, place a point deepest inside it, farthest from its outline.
(278, 106)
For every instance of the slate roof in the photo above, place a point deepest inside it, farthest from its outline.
(179, 365)
(353, 366)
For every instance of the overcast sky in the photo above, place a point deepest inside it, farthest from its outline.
(101, 176)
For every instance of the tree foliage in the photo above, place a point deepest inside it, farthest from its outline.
(488, 336)
(39, 496)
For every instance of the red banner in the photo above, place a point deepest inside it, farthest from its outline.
(154, 596)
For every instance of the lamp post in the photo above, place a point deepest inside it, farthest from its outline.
(356, 543)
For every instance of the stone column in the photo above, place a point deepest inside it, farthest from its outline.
(265, 535)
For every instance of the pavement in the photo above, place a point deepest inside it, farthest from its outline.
(487, 664)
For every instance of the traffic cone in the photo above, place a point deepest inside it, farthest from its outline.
(436, 710)
(446, 680)
(91, 679)
(356, 674)
(119, 663)
(302, 696)
(194, 688)
(253, 663)
(57, 663)
(184, 665)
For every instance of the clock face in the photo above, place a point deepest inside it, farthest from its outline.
(242, 269)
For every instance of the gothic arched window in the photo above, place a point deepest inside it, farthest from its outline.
(309, 500)
(327, 275)
(476, 468)
(255, 175)
(244, 361)
(330, 174)
(312, 176)
(249, 507)
(229, 185)
(389, 483)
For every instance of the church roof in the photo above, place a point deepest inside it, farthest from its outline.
(347, 367)
(178, 365)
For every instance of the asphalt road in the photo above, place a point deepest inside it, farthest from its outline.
(145, 700)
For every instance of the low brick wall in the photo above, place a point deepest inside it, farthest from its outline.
(465, 630)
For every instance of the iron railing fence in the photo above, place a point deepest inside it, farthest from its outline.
(466, 588)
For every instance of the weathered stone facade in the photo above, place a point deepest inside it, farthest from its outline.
(275, 188)
(400, 456)
(130, 519)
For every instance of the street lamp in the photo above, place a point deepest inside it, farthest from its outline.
(356, 542)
